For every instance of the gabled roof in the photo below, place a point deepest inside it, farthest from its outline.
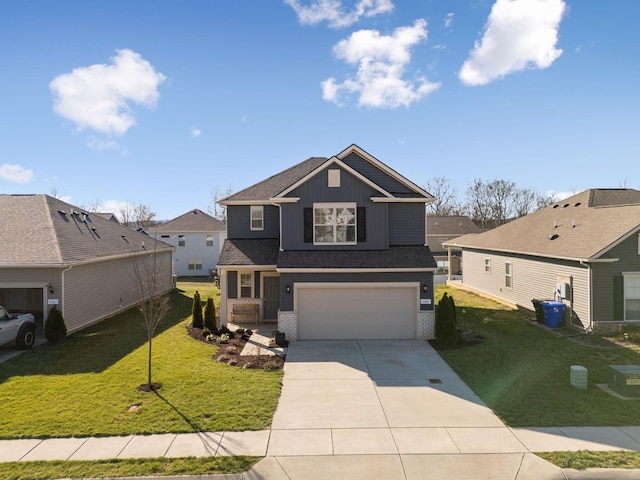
(249, 252)
(280, 184)
(450, 225)
(193, 221)
(38, 230)
(582, 227)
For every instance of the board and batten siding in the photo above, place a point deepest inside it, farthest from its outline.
(628, 260)
(239, 222)
(316, 190)
(98, 290)
(532, 278)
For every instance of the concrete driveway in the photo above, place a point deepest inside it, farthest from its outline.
(386, 409)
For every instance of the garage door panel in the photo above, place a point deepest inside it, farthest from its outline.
(357, 313)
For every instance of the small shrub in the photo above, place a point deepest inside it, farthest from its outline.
(240, 331)
(55, 329)
(210, 320)
(446, 325)
(196, 311)
(206, 332)
(224, 339)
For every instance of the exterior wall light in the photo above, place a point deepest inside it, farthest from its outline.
(288, 288)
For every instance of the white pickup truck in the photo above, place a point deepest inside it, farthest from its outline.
(19, 328)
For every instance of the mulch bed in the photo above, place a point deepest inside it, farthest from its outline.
(229, 353)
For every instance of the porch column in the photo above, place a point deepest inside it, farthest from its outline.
(449, 257)
(223, 297)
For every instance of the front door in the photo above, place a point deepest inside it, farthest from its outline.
(271, 297)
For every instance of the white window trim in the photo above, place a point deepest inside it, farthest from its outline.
(626, 275)
(336, 206)
(487, 265)
(508, 275)
(240, 284)
(208, 240)
(256, 208)
(334, 177)
(195, 262)
(183, 239)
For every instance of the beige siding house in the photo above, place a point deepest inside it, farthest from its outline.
(53, 253)
(583, 251)
(441, 229)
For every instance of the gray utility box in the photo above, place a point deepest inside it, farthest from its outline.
(625, 379)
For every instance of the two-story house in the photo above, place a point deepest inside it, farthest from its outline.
(331, 248)
(198, 239)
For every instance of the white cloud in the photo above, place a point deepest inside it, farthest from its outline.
(381, 62)
(519, 34)
(196, 132)
(15, 173)
(99, 97)
(333, 12)
(448, 20)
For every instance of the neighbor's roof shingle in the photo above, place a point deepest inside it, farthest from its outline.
(586, 225)
(36, 232)
(193, 221)
(450, 225)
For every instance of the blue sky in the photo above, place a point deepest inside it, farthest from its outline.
(160, 102)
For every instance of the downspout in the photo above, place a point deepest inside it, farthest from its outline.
(586, 264)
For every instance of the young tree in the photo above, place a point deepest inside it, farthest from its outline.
(196, 311)
(55, 329)
(154, 303)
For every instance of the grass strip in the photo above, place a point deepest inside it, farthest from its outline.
(583, 459)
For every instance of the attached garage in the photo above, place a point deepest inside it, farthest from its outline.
(363, 311)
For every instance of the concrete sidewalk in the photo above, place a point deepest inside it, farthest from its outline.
(362, 410)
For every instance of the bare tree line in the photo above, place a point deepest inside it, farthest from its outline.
(488, 203)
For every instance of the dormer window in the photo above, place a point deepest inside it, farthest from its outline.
(334, 223)
(257, 217)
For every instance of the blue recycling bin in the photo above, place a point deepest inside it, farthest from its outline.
(553, 313)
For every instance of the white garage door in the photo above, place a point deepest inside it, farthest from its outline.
(356, 312)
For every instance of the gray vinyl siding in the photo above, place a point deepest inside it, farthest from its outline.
(376, 175)
(406, 224)
(316, 190)
(603, 274)
(532, 278)
(95, 291)
(424, 278)
(239, 224)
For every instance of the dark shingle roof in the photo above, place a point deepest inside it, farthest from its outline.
(41, 230)
(581, 227)
(396, 257)
(253, 251)
(275, 184)
(193, 221)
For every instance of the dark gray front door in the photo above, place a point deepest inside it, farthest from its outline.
(271, 297)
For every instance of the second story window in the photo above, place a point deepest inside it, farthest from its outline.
(334, 223)
(257, 217)
(209, 241)
(181, 241)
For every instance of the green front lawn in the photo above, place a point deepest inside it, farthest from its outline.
(85, 385)
(522, 371)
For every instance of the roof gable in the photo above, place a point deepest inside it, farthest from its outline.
(193, 221)
(41, 230)
(582, 227)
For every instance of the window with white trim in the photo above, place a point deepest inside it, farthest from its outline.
(487, 265)
(334, 223)
(632, 296)
(209, 241)
(508, 275)
(195, 264)
(181, 241)
(257, 217)
(246, 285)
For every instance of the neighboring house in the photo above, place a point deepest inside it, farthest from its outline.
(332, 248)
(584, 250)
(441, 229)
(53, 253)
(198, 239)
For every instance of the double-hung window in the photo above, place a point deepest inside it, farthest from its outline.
(181, 241)
(334, 223)
(209, 241)
(257, 217)
(632, 296)
(195, 264)
(487, 265)
(508, 275)
(246, 285)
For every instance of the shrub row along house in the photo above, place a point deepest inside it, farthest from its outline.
(584, 250)
(331, 248)
(53, 253)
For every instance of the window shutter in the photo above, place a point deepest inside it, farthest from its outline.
(618, 297)
(308, 225)
(362, 224)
